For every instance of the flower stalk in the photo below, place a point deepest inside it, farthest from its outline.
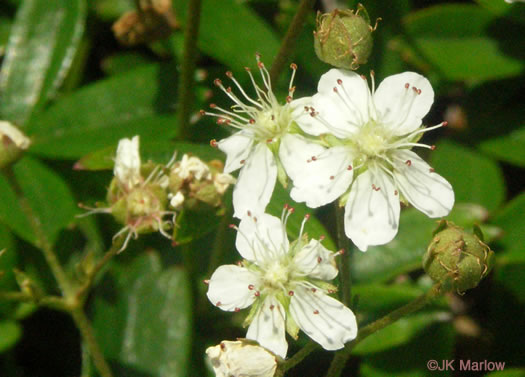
(344, 260)
(288, 44)
(186, 83)
(342, 356)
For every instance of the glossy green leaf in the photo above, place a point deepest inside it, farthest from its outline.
(43, 41)
(474, 177)
(143, 320)
(11, 214)
(436, 342)
(10, 332)
(313, 226)
(138, 102)
(232, 33)
(110, 9)
(440, 32)
(404, 253)
(509, 148)
(160, 151)
(400, 332)
(512, 220)
(49, 197)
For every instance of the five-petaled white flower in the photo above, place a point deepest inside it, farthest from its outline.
(286, 284)
(366, 135)
(261, 123)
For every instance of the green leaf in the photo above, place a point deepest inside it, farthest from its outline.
(143, 320)
(11, 214)
(509, 148)
(436, 342)
(49, 197)
(313, 226)
(8, 259)
(512, 372)
(398, 333)
(159, 151)
(404, 253)
(42, 44)
(109, 10)
(10, 332)
(440, 32)
(474, 177)
(138, 102)
(512, 220)
(232, 33)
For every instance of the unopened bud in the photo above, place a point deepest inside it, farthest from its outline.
(457, 258)
(28, 285)
(12, 143)
(343, 38)
(242, 359)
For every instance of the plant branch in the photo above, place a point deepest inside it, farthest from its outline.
(186, 82)
(299, 356)
(288, 44)
(342, 356)
(344, 260)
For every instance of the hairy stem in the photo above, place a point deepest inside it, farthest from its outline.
(342, 356)
(186, 82)
(288, 44)
(344, 260)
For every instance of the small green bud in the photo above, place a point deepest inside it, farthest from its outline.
(344, 38)
(28, 285)
(456, 258)
(12, 143)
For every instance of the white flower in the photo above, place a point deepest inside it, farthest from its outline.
(177, 199)
(127, 162)
(514, 1)
(261, 123)
(222, 181)
(192, 166)
(14, 134)
(368, 134)
(241, 359)
(286, 284)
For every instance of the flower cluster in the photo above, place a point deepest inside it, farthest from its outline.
(286, 284)
(141, 195)
(347, 142)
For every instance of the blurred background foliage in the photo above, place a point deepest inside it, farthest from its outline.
(68, 83)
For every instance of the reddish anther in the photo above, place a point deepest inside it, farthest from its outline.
(340, 82)
(408, 163)
(293, 66)
(229, 74)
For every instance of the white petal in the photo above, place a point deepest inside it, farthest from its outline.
(342, 101)
(256, 182)
(268, 327)
(232, 287)
(372, 209)
(261, 237)
(127, 162)
(316, 261)
(320, 181)
(237, 148)
(402, 109)
(323, 318)
(312, 125)
(427, 191)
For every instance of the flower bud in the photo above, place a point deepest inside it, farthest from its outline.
(344, 38)
(456, 258)
(241, 359)
(12, 143)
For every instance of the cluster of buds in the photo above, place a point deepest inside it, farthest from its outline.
(145, 197)
(193, 182)
(12, 143)
(457, 259)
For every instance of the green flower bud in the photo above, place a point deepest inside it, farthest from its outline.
(456, 258)
(344, 38)
(12, 143)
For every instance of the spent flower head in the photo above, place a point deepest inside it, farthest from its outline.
(287, 285)
(364, 154)
(241, 358)
(261, 122)
(139, 203)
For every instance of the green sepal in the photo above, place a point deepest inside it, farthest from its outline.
(253, 311)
